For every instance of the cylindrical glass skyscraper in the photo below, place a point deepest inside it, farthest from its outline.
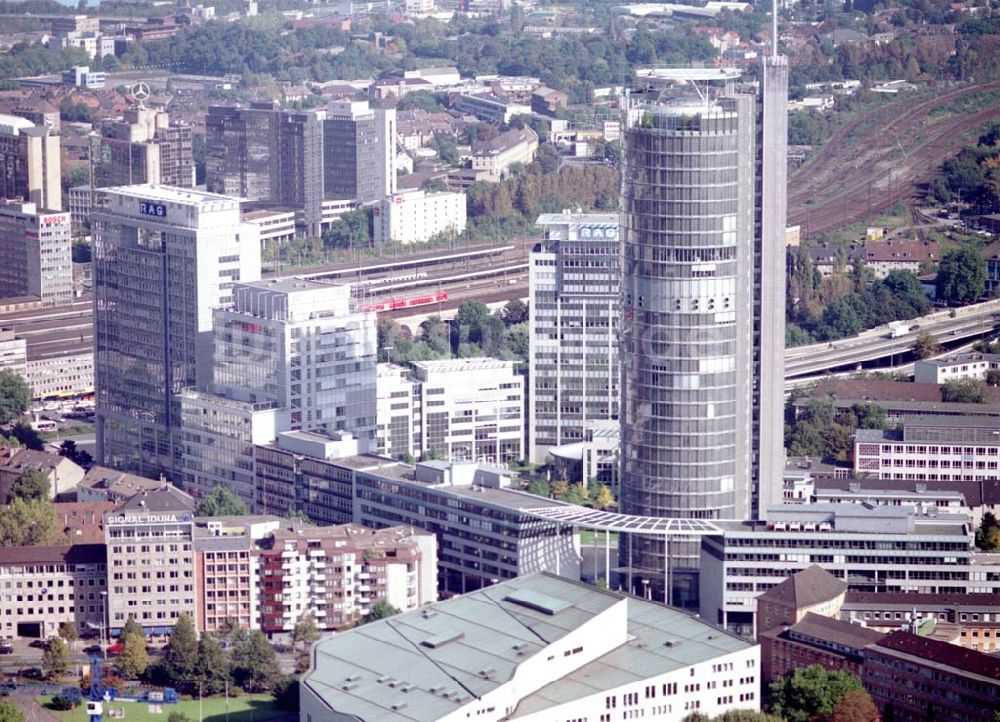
(687, 340)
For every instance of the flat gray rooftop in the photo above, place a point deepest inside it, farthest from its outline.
(425, 664)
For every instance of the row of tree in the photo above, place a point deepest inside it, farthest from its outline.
(593, 494)
(475, 331)
(820, 431)
(973, 176)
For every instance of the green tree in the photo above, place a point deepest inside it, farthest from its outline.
(993, 377)
(539, 487)
(28, 523)
(255, 665)
(868, 416)
(15, 396)
(603, 499)
(27, 436)
(379, 610)
(964, 391)
(470, 320)
(133, 660)
(10, 712)
(180, 656)
(55, 658)
(988, 533)
(221, 502)
(926, 346)
(31, 485)
(855, 706)
(176, 716)
(286, 693)
(68, 631)
(305, 632)
(809, 692)
(213, 671)
(961, 276)
(131, 627)
(745, 715)
(514, 311)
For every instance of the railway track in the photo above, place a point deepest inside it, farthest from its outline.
(886, 172)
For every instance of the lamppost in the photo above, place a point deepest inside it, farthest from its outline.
(104, 624)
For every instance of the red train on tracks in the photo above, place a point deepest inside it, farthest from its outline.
(392, 304)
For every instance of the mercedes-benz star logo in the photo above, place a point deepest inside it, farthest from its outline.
(139, 92)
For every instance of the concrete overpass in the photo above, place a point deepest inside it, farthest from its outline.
(872, 348)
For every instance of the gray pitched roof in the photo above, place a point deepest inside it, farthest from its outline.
(812, 585)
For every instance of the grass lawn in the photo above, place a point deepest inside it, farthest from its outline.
(248, 708)
(591, 538)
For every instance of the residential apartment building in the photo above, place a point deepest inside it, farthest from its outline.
(953, 368)
(495, 157)
(968, 619)
(574, 289)
(43, 587)
(872, 548)
(62, 474)
(810, 591)
(101, 484)
(359, 159)
(336, 573)
(227, 570)
(473, 410)
(815, 639)
(908, 675)
(145, 146)
(399, 412)
(548, 647)
(36, 248)
(30, 164)
(267, 155)
(164, 258)
(885, 256)
(417, 216)
(931, 449)
(151, 561)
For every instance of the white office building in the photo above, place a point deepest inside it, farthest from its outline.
(473, 410)
(399, 413)
(573, 329)
(164, 258)
(954, 368)
(417, 216)
(36, 253)
(538, 648)
(873, 548)
(289, 354)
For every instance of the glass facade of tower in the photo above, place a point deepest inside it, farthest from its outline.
(687, 326)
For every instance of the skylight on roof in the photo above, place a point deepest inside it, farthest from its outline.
(539, 602)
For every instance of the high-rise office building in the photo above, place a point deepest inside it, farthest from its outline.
(575, 286)
(36, 249)
(701, 216)
(269, 155)
(359, 152)
(164, 258)
(30, 165)
(288, 354)
(144, 146)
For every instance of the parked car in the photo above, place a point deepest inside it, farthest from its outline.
(32, 673)
(92, 649)
(116, 649)
(39, 643)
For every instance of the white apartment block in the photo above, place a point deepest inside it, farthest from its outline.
(574, 288)
(36, 249)
(473, 410)
(164, 259)
(43, 587)
(954, 368)
(399, 413)
(873, 548)
(53, 373)
(417, 216)
(537, 648)
(495, 157)
(289, 354)
(931, 449)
